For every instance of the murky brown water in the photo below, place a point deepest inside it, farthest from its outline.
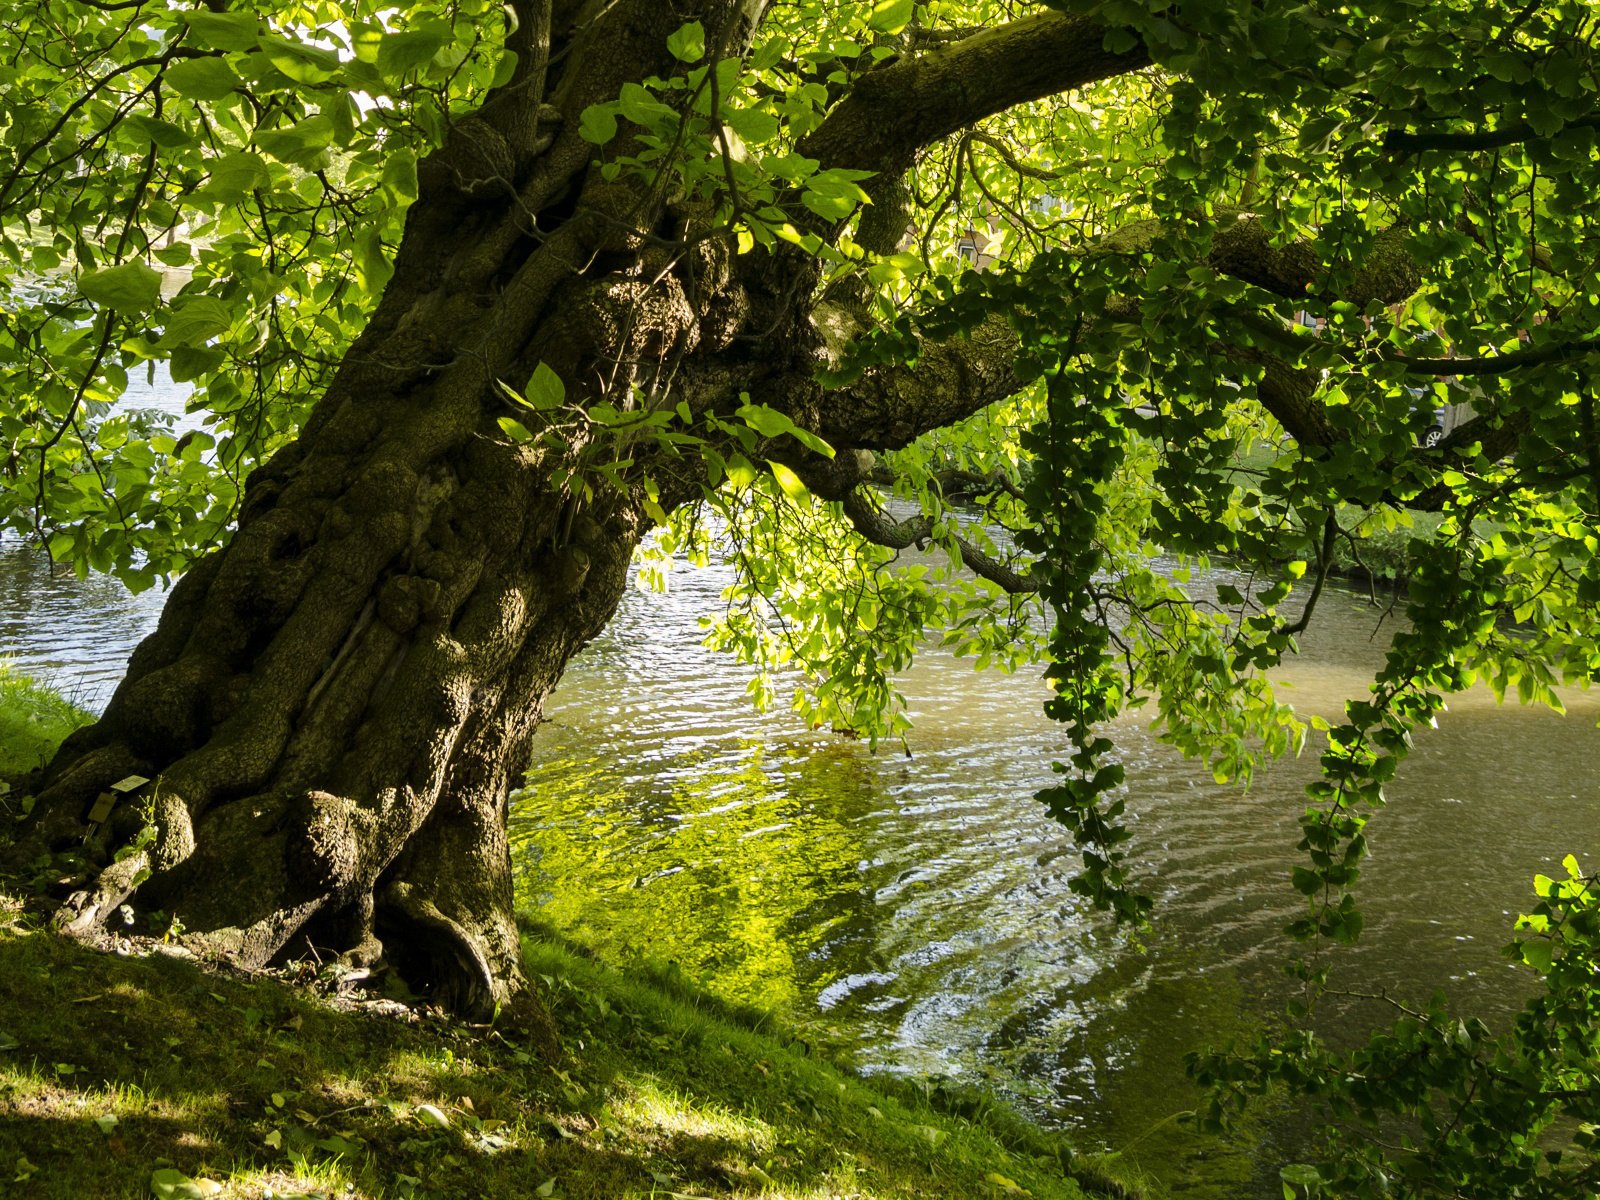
(914, 912)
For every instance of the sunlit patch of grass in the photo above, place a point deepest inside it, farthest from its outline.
(33, 720)
(113, 1070)
(647, 1106)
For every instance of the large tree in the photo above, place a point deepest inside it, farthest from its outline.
(479, 296)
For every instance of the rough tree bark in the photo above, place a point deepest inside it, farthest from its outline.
(334, 706)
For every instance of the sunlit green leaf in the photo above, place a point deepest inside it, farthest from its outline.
(399, 54)
(688, 42)
(131, 287)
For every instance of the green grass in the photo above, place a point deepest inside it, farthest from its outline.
(113, 1069)
(139, 1074)
(1385, 536)
(33, 720)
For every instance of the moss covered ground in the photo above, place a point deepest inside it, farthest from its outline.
(145, 1072)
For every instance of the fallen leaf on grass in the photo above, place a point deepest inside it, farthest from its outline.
(431, 1114)
(171, 1184)
(1007, 1185)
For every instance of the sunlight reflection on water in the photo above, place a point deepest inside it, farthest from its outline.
(914, 912)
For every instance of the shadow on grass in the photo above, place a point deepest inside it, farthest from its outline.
(112, 1068)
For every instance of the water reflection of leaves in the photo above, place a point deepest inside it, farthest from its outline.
(735, 867)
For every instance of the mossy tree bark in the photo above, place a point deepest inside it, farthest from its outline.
(335, 705)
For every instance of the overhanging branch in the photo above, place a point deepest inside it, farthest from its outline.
(1502, 364)
(889, 407)
(843, 479)
(872, 523)
(892, 112)
(1399, 141)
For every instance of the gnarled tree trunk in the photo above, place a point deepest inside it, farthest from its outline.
(334, 706)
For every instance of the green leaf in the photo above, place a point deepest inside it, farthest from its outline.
(1119, 40)
(175, 255)
(301, 62)
(891, 16)
(895, 267)
(598, 124)
(769, 422)
(192, 362)
(688, 42)
(754, 125)
(642, 108)
(401, 53)
(172, 1184)
(1306, 881)
(161, 133)
(1317, 133)
(766, 421)
(545, 389)
(222, 30)
(1538, 954)
(1300, 1175)
(834, 193)
(203, 78)
(831, 208)
(194, 321)
(130, 288)
(301, 145)
(514, 429)
(741, 472)
(235, 176)
(400, 175)
(430, 1114)
(791, 483)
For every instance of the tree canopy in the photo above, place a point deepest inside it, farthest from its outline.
(1234, 258)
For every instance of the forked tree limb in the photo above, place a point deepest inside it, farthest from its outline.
(889, 407)
(842, 479)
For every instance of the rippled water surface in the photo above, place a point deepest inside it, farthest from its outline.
(78, 633)
(913, 911)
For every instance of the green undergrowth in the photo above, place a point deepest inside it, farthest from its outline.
(146, 1074)
(33, 719)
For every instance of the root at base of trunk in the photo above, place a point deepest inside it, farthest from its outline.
(454, 961)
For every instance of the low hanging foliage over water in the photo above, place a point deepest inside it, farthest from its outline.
(477, 300)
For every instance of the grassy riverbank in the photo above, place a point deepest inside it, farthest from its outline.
(33, 719)
(145, 1073)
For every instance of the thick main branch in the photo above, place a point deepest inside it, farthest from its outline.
(892, 112)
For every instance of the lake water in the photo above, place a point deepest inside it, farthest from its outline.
(913, 914)
(914, 911)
